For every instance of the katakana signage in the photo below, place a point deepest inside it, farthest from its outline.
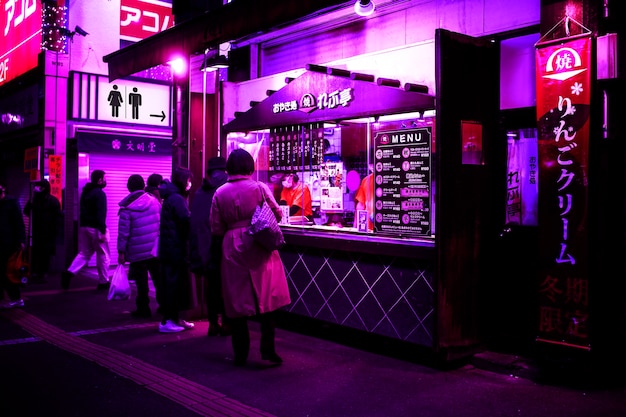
(563, 110)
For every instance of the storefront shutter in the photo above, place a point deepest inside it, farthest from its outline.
(118, 169)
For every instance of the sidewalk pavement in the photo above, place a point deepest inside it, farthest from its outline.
(74, 353)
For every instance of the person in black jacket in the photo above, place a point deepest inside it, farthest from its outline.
(206, 251)
(93, 235)
(45, 212)
(174, 252)
(12, 238)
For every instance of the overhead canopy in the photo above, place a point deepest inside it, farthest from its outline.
(319, 95)
(231, 21)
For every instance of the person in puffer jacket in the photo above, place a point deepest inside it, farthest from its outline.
(137, 241)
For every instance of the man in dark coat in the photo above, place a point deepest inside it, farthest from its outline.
(12, 238)
(45, 212)
(206, 252)
(93, 235)
(174, 252)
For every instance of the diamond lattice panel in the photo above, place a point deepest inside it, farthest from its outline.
(385, 295)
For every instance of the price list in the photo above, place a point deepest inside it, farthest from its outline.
(402, 182)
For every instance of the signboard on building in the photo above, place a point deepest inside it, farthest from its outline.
(563, 112)
(31, 162)
(140, 19)
(20, 38)
(56, 176)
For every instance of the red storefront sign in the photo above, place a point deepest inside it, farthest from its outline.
(140, 19)
(563, 109)
(20, 37)
(56, 176)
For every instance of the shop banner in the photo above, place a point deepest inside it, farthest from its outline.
(55, 163)
(563, 108)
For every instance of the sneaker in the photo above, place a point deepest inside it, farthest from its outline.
(13, 303)
(187, 325)
(66, 277)
(170, 327)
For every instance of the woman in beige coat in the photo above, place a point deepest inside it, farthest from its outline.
(253, 278)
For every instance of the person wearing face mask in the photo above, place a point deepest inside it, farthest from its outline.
(174, 252)
(93, 234)
(297, 196)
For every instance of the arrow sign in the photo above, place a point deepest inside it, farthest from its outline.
(162, 115)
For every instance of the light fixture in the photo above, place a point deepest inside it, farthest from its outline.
(364, 7)
(214, 63)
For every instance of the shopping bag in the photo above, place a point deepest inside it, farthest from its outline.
(264, 227)
(17, 268)
(120, 288)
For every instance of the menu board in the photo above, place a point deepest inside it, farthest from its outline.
(402, 188)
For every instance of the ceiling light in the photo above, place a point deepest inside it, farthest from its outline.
(364, 7)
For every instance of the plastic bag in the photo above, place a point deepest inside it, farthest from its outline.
(120, 288)
(17, 268)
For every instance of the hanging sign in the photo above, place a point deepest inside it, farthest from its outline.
(563, 109)
(55, 163)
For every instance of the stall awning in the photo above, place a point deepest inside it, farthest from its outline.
(234, 20)
(320, 95)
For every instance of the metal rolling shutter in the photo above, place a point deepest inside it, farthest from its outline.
(118, 169)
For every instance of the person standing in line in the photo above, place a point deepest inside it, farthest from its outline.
(45, 212)
(93, 235)
(152, 187)
(137, 240)
(253, 278)
(206, 254)
(12, 238)
(174, 251)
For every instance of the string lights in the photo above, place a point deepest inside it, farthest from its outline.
(54, 27)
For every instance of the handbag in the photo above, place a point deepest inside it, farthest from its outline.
(17, 268)
(264, 227)
(120, 287)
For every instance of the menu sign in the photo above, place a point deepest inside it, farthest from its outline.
(403, 182)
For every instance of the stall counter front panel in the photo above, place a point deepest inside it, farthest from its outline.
(387, 295)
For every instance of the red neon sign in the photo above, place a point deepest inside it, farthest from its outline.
(20, 37)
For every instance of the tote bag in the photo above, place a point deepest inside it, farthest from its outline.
(264, 228)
